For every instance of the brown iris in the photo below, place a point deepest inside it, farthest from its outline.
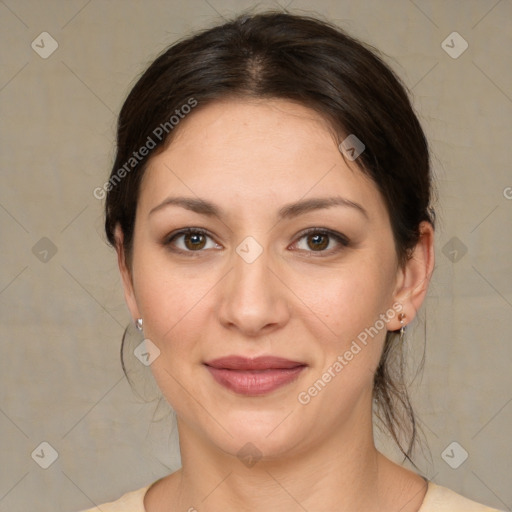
(194, 241)
(319, 241)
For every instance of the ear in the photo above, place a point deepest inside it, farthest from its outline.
(414, 277)
(126, 276)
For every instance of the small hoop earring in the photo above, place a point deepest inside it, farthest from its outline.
(401, 317)
(138, 324)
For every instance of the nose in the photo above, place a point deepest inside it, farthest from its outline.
(254, 298)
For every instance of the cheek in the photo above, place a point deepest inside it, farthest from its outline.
(346, 300)
(349, 334)
(342, 314)
(175, 308)
(168, 297)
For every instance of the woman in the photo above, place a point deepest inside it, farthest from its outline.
(270, 208)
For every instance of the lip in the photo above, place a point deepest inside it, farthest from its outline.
(256, 376)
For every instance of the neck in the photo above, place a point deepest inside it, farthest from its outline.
(342, 473)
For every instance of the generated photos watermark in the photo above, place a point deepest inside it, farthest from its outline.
(334, 369)
(159, 133)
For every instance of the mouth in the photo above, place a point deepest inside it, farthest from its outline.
(253, 377)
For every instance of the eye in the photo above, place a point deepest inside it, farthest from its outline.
(321, 241)
(190, 240)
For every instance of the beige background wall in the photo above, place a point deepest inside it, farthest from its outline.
(61, 307)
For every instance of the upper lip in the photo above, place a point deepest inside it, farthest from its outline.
(257, 363)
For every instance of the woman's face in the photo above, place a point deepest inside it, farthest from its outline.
(290, 255)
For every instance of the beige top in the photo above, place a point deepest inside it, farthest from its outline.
(437, 499)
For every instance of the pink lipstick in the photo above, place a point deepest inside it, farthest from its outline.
(254, 377)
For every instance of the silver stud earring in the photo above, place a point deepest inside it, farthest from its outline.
(401, 317)
(138, 324)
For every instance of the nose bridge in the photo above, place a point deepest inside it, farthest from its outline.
(254, 298)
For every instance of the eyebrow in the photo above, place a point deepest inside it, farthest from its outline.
(203, 207)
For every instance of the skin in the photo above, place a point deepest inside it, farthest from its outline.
(250, 158)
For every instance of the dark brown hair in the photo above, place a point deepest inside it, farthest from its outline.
(314, 63)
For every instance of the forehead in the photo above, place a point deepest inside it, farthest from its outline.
(255, 152)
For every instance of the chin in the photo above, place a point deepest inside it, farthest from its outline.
(260, 434)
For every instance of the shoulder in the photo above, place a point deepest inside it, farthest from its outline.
(130, 502)
(442, 499)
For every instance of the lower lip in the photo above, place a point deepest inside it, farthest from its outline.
(255, 382)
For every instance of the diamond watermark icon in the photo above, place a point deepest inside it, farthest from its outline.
(146, 352)
(454, 455)
(351, 147)
(249, 250)
(454, 45)
(249, 454)
(44, 45)
(44, 250)
(45, 455)
(454, 250)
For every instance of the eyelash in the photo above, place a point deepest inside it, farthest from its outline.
(338, 237)
(342, 240)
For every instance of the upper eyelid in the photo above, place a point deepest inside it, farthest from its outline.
(185, 231)
(323, 231)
